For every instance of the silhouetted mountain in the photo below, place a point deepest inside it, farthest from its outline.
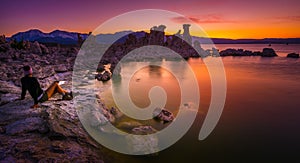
(57, 36)
(65, 37)
(30, 35)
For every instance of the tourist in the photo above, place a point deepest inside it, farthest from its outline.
(31, 84)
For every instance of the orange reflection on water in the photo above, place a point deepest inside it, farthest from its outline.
(146, 78)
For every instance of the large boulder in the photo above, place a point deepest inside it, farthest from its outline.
(268, 52)
(292, 55)
(163, 115)
(116, 112)
(103, 76)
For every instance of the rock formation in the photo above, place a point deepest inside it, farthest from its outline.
(268, 52)
(186, 33)
(157, 35)
(178, 33)
(52, 132)
(163, 115)
(105, 76)
(292, 55)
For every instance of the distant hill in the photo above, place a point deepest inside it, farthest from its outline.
(65, 37)
(57, 36)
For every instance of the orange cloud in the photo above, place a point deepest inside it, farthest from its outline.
(203, 19)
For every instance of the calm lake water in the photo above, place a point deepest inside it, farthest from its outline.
(260, 120)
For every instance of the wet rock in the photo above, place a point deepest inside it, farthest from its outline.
(163, 115)
(116, 112)
(268, 52)
(103, 76)
(100, 68)
(292, 55)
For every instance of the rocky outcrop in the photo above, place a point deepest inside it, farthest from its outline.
(157, 35)
(51, 133)
(186, 33)
(292, 55)
(48, 63)
(163, 115)
(105, 76)
(268, 52)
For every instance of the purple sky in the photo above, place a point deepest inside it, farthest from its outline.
(219, 18)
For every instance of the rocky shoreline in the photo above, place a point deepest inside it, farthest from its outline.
(52, 132)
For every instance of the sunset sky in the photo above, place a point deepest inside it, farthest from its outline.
(219, 18)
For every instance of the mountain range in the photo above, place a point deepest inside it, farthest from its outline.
(57, 36)
(65, 37)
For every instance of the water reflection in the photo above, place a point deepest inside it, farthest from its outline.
(262, 107)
